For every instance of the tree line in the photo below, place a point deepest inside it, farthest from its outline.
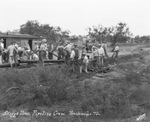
(114, 34)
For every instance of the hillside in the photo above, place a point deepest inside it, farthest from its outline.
(120, 95)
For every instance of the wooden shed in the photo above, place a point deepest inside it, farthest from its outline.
(21, 39)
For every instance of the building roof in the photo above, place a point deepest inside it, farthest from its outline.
(24, 36)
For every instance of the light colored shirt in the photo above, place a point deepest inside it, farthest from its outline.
(95, 53)
(36, 47)
(100, 51)
(35, 57)
(42, 47)
(11, 49)
(116, 48)
(46, 46)
(85, 60)
(68, 48)
(2, 45)
(16, 46)
(72, 55)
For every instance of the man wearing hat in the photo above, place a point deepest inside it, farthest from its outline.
(95, 56)
(42, 52)
(11, 50)
(60, 51)
(100, 55)
(68, 49)
(104, 45)
(83, 60)
(115, 52)
(74, 56)
(1, 50)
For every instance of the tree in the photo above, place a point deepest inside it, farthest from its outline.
(52, 34)
(98, 32)
(119, 33)
(114, 34)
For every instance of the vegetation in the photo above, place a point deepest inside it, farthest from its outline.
(114, 34)
(120, 97)
(52, 34)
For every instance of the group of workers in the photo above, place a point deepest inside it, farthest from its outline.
(73, 54)
(12, 53)
(79, 56)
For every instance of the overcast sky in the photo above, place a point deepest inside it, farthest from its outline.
(76, 15)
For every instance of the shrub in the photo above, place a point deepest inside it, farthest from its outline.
(41, 86)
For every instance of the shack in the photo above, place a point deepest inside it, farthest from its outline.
(21, 39)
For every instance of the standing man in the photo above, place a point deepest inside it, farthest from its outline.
(60, 51)
(68, 49)
(42, 52)
(100, 55)
(46, 49)
(36, 47)
(95, 56)
(115, 52)
(51, 49)
(83, 60)
(16, 56)
(104, 45)
(11, 50)
(1, 50)
(74, 56)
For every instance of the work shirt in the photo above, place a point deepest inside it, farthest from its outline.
(35, 57)
(16, 46)
(100, 51)
(11, 49)
(95, 53)
(68, 48)
(1, 45)
(36, 48)
(46, 46)
(43, 47)
(72, 55)
(116, 48)
(85, 60)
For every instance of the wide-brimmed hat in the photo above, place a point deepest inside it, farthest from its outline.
(44, 40)
(1, 40)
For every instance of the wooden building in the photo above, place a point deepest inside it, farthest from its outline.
(21, 39)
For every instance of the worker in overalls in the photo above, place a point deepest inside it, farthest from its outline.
(42, 52)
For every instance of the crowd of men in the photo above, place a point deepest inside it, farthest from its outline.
(76, 55)
(73, 54)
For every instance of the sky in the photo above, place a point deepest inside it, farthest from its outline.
(77, 15)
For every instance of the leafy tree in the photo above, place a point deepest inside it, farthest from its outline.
(98, 32)
(119, 33)
(114, 34)
(52, 34)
